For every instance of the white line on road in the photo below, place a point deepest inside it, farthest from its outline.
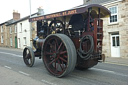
(11, 54)
(108, 71)
(48, 82)
(102, 70)
(23, 73)
(8, 67)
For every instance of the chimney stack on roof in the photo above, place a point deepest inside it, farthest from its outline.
(85, 1)
(16, 15)
(40, 11)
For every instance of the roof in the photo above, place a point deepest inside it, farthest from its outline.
(99, 1)
(22, 19)
(10, 22)
(7, 22)
(76, 10)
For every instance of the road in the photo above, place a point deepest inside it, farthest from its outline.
(15, 72)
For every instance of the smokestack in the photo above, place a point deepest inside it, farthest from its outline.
(16, 15)
(40, 11)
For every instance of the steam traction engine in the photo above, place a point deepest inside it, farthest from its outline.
(68, 39)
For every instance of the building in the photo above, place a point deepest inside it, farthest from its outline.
(16, 32)
(24, 30)
(115, 40)
(3, 37)
(8, 33)
(11, 35)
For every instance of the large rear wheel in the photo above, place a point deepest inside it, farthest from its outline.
(59, 54)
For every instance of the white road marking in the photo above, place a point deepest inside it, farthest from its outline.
(8, 67)
(112, 72)
(24, 73)
(11, 54)
(102, 70)
(48, 82)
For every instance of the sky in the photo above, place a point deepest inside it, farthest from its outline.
(23, 7)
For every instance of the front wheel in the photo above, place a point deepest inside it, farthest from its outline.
(28, 56)
(59, 54)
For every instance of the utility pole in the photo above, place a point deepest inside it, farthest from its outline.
(30, 24)
(30, 7)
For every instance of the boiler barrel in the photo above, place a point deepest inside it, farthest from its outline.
(37, 42)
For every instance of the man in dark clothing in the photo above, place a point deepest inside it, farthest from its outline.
(91, 24)
(77, 22)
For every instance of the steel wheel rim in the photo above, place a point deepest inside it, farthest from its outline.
(55, 59)
(28, 56)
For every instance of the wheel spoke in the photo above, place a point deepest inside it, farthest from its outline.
(63, 59)
(26, 60)
(65, 56)
(51, 57)
(52, 61)
(63, 52)
(57, 67)
(60, 64)
(63, 64)
(59, 46)
(49, 53)
(56, 41)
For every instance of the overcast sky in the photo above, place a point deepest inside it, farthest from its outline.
(22, 6)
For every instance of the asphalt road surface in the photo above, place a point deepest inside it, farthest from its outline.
(13, 71)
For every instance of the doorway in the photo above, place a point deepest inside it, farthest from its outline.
(115, 45)
(15, 42)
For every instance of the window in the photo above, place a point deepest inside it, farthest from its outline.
(15, 28)
(10, 30)
(115, 40)
(1, 29)
(2, 39)
(114, 14)
(20, 27)
(25, 42)
(10, 41)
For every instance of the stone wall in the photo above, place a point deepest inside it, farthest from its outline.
(121, 27)
(12, 35)
(4, 44)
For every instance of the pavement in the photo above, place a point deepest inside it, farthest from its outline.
(118, 61)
